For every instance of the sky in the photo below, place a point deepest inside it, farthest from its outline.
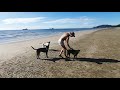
(46, 20)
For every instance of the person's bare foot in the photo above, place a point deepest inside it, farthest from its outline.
(60, 56)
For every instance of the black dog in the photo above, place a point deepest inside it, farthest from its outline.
(44, 49)
(74, 52)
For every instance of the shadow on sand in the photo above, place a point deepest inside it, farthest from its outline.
(54, 50)
(98, 61)
(95, 60)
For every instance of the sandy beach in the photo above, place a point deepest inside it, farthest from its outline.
(99, 57)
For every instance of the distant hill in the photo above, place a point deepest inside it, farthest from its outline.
(117, 25)
(107, 26)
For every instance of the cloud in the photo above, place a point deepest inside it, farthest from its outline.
(83, 20)
(79, 22)
(21, 20)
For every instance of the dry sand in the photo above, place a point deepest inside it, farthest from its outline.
(99, 57)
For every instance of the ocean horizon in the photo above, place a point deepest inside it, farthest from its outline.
(9, 36)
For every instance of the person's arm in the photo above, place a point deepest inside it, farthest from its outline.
(67, 40)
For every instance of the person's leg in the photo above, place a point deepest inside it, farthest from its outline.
(64, 50)
(61, 52)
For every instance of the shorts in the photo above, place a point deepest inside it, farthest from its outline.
(61, 42)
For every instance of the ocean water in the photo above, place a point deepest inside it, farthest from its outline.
(9, 36)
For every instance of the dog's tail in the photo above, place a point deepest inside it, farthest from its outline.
(33, 48)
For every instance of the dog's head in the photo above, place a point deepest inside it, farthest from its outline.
(46, 45)
(48, 42)
(75, 52)
(78, 50)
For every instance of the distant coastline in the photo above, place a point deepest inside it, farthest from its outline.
(107, 26)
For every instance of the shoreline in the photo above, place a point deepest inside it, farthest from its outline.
(34, 38)
(11, 50)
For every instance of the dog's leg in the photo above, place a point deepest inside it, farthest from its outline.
(38, 54)
(47, 54)
(75, 57)
(69, 55)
